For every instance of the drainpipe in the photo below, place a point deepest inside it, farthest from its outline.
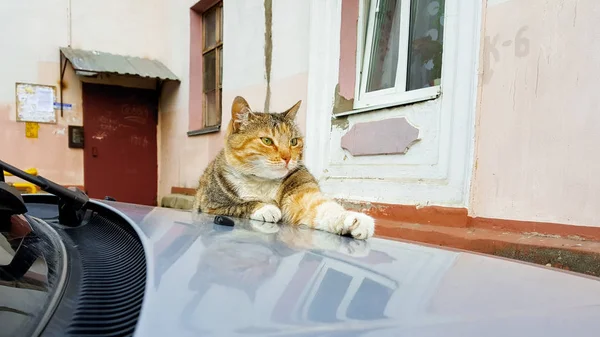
(63, 67)
(268, 49)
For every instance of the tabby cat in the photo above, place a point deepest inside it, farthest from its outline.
(259, 175)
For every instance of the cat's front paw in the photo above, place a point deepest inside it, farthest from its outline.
(267, 213)
(359, 225)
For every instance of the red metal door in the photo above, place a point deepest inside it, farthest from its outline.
(120, 151)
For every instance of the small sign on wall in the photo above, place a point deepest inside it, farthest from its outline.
(35, 103)
(65, 106)
(75, 137)
(31, 129)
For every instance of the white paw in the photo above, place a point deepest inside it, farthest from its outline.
(267, 213)
(359, 225)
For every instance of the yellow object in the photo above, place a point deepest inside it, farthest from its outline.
(31, 130)
(25, 187)
(32, 171)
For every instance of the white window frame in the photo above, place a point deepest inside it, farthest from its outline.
(397, 95)
(448, 121)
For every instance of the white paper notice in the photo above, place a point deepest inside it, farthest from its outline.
(45, 99)
(35, 103)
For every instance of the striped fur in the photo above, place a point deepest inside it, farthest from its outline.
(259, 175)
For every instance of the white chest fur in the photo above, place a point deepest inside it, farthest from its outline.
(254, 188)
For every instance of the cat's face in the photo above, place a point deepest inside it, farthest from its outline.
(268, 145)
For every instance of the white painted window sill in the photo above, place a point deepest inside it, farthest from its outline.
(407, 98)
(204, 131)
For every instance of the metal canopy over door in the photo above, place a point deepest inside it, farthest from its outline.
(120, 154)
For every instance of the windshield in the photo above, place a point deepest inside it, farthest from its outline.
(28, 275)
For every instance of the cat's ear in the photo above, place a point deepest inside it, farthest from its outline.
(240, 112)
(291, 112)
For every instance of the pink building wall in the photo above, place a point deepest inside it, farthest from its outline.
(537, 126)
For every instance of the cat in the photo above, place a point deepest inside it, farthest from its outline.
(259, 175)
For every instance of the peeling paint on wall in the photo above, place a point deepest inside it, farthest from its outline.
(59, 131)
(341, 103)
(340, 123)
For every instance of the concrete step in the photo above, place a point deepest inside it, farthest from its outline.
(176, 200)
(570, 253)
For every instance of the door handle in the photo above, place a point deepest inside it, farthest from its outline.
(94, 151)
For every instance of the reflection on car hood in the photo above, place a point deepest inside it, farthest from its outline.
(259, 279)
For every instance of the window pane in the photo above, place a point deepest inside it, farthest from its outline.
(425, 41)
(220, 33)
(210, 28)
(209, 71)
(220, 51)
(212, 115)
(384, 51)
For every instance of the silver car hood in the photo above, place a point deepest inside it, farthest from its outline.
(257, 279)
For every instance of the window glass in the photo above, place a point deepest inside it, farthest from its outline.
(385, 47)
(426, 36)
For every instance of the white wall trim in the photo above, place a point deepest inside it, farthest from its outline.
(478, 27)
(323, 64)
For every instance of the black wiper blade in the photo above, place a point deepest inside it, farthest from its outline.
(76, 197)
(71, 202)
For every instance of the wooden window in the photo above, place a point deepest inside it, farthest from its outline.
(212, 65)
(400, 51)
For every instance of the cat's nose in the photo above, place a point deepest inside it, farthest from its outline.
(286, 159)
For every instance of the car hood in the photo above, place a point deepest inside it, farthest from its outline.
(257, 279)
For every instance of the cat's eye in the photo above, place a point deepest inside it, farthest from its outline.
(267, 141)
(294, 141)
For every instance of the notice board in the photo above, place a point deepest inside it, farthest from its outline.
(35, 103)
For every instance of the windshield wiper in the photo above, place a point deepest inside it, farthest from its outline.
(71, 203)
